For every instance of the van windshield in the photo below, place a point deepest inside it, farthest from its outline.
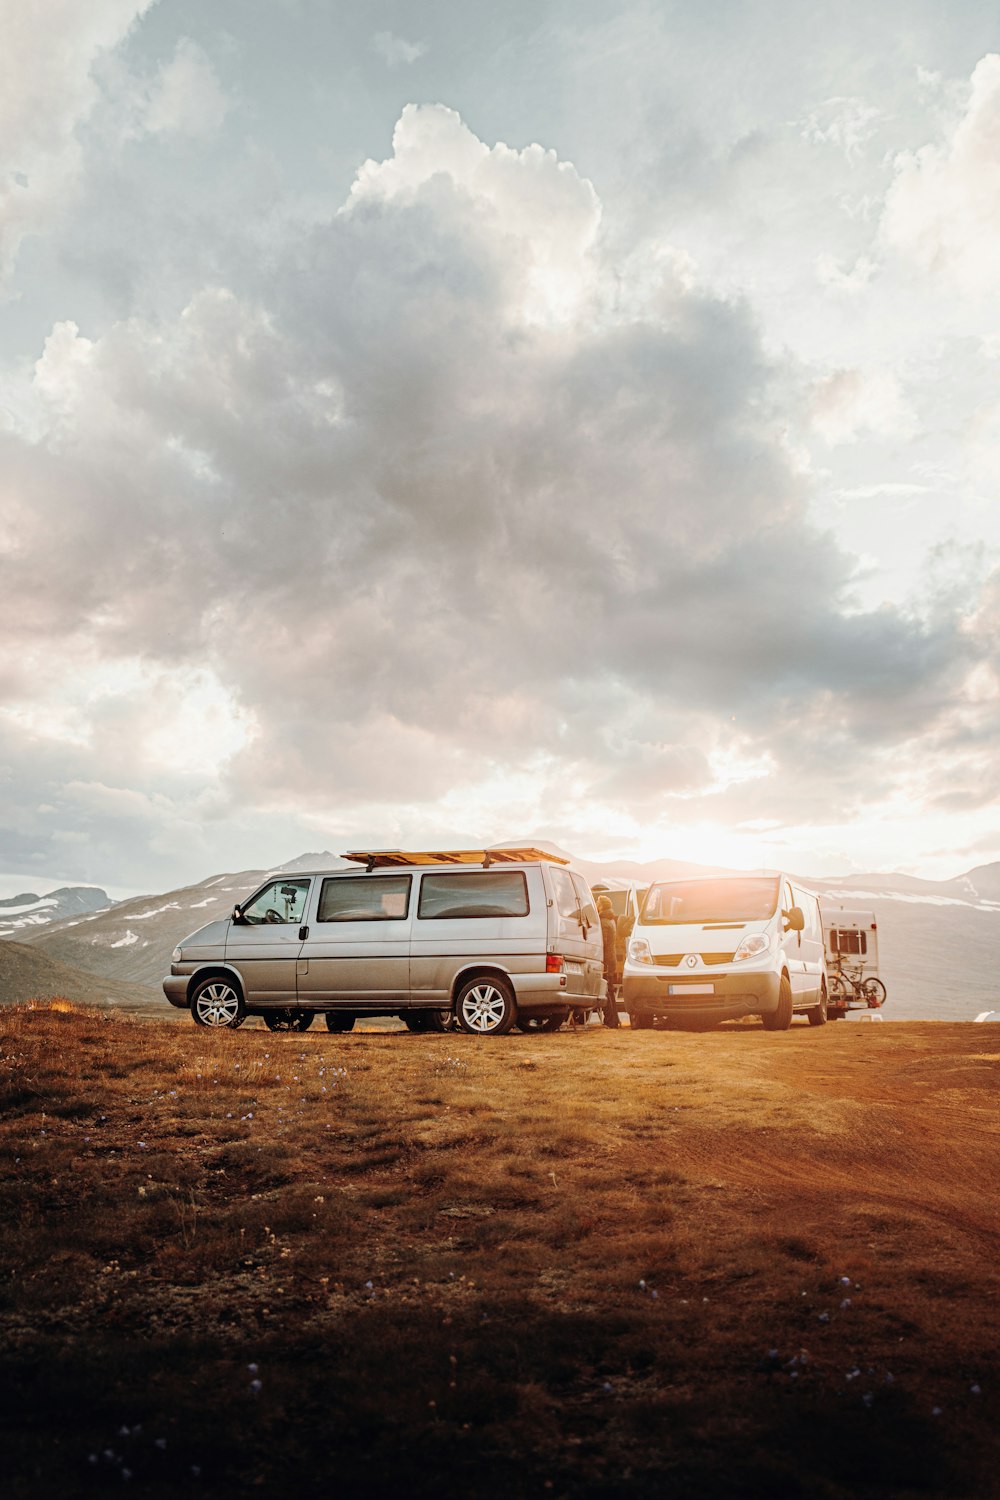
(740, 899)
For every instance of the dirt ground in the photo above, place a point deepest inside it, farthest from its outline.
(589, 1264)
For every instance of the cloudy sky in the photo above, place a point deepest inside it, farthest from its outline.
(455, 422)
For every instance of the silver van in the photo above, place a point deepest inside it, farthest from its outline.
(488, 938)
(713, 950)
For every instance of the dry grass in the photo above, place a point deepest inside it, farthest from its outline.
(588, 1264)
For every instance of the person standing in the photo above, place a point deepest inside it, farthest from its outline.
(609, 932)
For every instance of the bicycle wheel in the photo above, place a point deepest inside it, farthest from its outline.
(874, 993)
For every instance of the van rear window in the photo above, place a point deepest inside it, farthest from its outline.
(364, 898)
(846, 940)
(474, 893)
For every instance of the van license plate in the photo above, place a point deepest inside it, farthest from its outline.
(691, 989)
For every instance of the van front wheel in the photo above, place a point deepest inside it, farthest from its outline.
(485, 1007)
(217, 1002)
(427, 1020)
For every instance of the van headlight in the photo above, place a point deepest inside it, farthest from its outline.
(752, 946)
(638, 951)
(175, 957)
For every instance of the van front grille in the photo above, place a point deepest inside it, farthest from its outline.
(671, 960)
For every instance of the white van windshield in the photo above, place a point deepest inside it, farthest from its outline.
(740, 899)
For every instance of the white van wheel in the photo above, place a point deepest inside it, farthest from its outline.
(781, 1019)
(485, 1007)
(818, 1014)
(217, 1002)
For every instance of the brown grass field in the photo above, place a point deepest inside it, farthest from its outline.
(589, 1264)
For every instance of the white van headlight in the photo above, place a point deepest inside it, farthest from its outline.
(752, 946)
(638, 951)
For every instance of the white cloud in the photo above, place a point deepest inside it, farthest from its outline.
(395, 50)
(855, 280)
(849, 403)
(185, 98)
(441, 518)
(943, 209)
(846, 124)
(47, 89)
(540, 214)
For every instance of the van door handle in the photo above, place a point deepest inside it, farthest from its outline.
(303, 934)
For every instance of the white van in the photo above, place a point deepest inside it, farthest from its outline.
(714, 950)
(490, 938)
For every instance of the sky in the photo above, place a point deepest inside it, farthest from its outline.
(437, 424)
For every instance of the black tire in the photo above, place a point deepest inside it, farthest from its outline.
(288, 1020)
(337, 1021)
(428, 1020)
(874, 992)
(218, 1003)
(485, 1007)
(541, 1023)
(781, 1019)
(820, 1014)
(840, 989)
(641, 1020)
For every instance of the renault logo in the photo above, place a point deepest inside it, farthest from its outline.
(692, 960)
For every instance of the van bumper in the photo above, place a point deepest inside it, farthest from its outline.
(546, 992)
(175, 987)
(752, 993)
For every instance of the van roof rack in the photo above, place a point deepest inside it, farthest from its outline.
(380, 859)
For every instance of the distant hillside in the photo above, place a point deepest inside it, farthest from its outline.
(26, 974)
(27, 911)
(133, 941)
(939, 940)
(983, 881)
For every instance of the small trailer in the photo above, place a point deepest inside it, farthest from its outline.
(851, 941)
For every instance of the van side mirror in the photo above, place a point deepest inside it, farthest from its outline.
(237, 913)
(794, 919)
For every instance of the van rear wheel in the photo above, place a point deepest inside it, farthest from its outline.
(485, 1007)
(288, 1020)
(819, 1014)
(781, 1019)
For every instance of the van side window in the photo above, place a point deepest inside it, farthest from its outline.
(487, 893)
(566, 894)
(814, 922)
(587, 907)
(366, 898)
(281, 901)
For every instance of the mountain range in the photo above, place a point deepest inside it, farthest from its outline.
(939, 941)
(19, 913)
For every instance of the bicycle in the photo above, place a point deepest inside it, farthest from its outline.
(846, 988)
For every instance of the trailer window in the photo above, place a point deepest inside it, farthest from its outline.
(849, 941)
